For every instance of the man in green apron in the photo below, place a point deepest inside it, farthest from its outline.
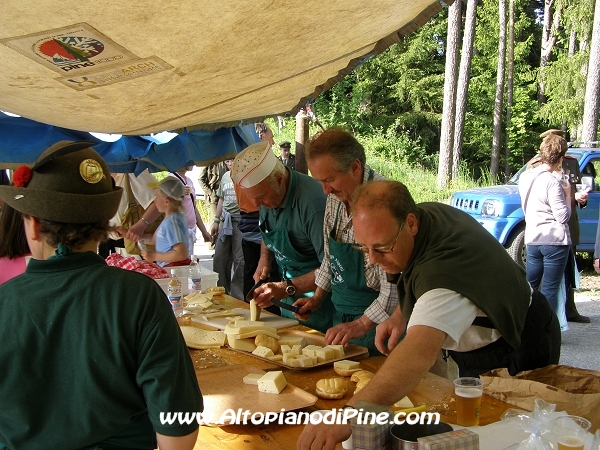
(360, 292)
(291, 207)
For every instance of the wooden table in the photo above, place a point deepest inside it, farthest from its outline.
(433, 391)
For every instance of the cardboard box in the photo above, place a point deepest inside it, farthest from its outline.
(462, 439)
(371, 437)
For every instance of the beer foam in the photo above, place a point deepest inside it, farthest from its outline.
(468, 392)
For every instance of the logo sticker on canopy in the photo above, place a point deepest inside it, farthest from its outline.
(84, 56)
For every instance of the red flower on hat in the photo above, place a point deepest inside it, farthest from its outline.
(22, 176)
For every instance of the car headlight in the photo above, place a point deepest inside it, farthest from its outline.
(490, 208)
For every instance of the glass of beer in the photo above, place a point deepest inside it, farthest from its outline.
(570, 432)
(468, 392)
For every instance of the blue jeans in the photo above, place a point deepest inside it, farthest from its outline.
(545, 268)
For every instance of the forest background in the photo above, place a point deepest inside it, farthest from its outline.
(395, 102)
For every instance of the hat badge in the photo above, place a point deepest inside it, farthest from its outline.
(91, 171)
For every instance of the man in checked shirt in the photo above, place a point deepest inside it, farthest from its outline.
(361, 294)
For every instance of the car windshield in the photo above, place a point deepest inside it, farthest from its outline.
(515, 178)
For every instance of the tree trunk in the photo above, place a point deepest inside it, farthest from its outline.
(550, 25)
(509, 83)
(498, 101)
(301, 140)
(576, 135)
(449, 108)
(463, 84)
(590, 109)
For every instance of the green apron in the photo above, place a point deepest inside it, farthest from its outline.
(292, 264)
(350, 293)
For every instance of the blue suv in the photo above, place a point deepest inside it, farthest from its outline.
(498, 208)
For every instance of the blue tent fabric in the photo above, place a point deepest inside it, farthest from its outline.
(22, 140)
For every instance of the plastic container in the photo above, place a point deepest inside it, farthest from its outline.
(209, 278)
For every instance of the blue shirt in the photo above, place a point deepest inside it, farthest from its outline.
(171, 231)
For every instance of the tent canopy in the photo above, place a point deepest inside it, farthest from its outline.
(23, 140)
(134, 68)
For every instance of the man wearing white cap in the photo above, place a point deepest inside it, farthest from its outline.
(291, 207)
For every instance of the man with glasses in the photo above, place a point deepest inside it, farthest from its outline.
(359, 290)
(459, 291)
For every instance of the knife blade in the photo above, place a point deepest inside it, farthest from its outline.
(250, 294)
(294, 309)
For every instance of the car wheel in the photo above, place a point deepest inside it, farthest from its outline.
(516, 247)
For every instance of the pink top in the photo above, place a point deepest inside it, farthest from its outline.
(10, 268)
(188, 205)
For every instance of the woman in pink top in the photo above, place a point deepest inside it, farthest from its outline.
(13, 244)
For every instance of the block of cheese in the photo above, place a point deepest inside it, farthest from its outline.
(272, 382)
(252, 378)
(199, 338)
(276, 358)
(288, 357)
(284, 348)
(310, 350)
(245, 345)
(338, 350)
(293, 340)
(306, 361)
(324, 354)
(267, 341)
(346, 367)
(263, 352)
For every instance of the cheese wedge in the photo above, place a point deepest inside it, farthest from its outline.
(199, 338)
(272, 382)
(403, 403)
(263, 352)
(252, 378)
(245, 345)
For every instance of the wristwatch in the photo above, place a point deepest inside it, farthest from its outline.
(290, 289)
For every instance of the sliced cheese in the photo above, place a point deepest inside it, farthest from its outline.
(403, 403)
(346, 364)
(245, 345)
(252, 378)
(272, 382)
(338, 350)
(255, 311)
(199, 338)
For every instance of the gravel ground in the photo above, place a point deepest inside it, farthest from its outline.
(581, 343)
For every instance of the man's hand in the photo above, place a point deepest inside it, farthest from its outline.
(265, 292)
(136, 231)
(343, 332)
(597, 265)
(214, 229)
(307, 305)
(392, 330)
(323, 436)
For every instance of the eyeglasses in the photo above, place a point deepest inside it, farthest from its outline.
(365, 249)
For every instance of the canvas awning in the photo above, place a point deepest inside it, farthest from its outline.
(133, 68)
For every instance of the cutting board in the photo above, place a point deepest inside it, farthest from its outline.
(223, 389)
(270, 320)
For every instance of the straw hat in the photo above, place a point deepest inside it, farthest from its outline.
(68, 183)
(253, 165)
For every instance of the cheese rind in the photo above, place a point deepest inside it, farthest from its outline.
(272, 382)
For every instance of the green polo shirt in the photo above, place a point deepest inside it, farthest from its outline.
(90, 354)
(307, 209)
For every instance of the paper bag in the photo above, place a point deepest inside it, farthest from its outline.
(574, 390)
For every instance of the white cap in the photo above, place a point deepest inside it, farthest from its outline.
(253, 165)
